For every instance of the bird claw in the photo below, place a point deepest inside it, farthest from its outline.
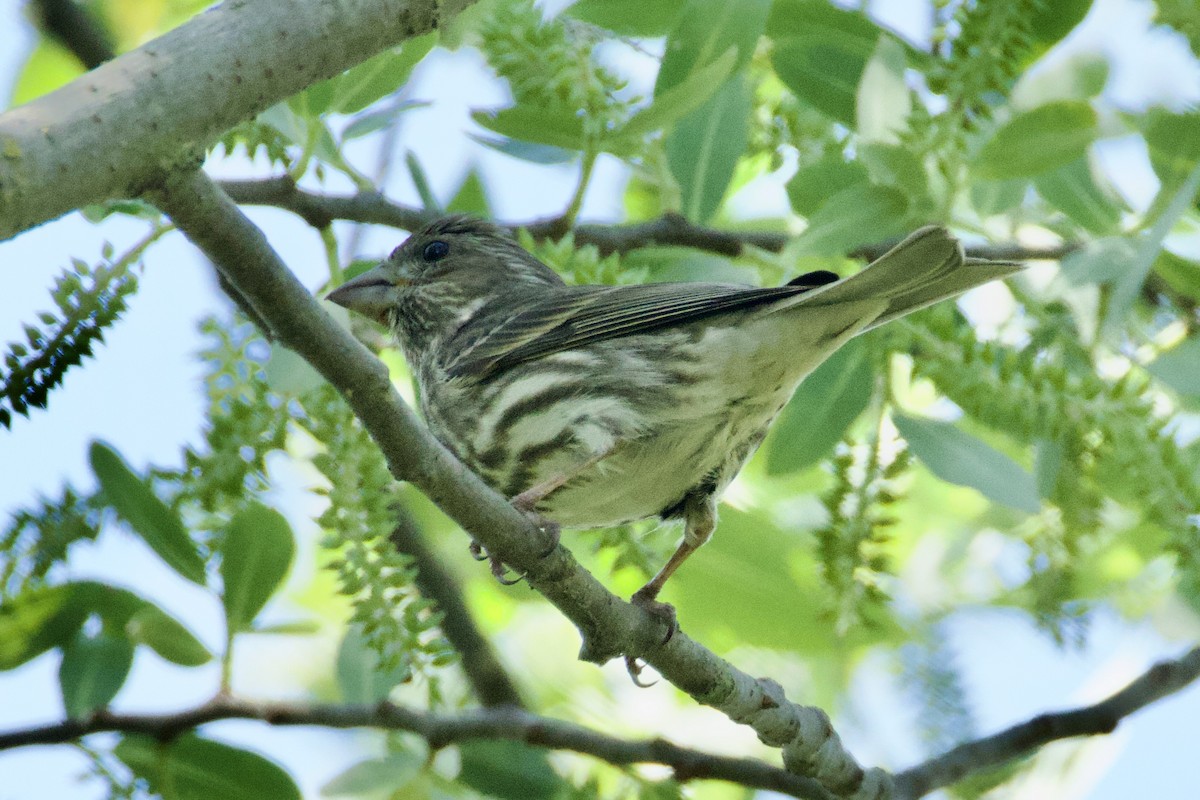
(497, 566)
(634, 668)
(644, 598)
(526, 503)
(664, 611)
(501, 572)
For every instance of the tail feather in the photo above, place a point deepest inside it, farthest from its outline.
(926, 267)
(970, 273)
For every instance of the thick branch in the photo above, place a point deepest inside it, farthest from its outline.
(439, 731)
(609, 626)
(490, 681)
(119, 128)
(1164, 678)
(319, 210)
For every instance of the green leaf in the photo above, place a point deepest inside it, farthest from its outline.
(629, 17)
(1041, 140)
(1050, 22)
(1073, 190)
(821, 410)
(1078, 77)
(510, 770)
(678, 101)
(35, 621)
(151, 518)
(706, 29)
(194, 768)
(1099, 261)
(140, 620)
(527, 151)
(1047, 464)
(373, 121)
(684, 264)
(376, 775)
(895, 165)
(362, 85)
(538, 125)
(752, 564)
(92, 671)
(256, 555)
(1125, 290)
(420, 181)
(882, 101)
(957, 457)
(166, 636)
(380, 75)
(703, 149)
(821, 53)
(815, 183)
(471, 197)
(1181, 274)
(299, 627)
(359, 677)
(1179, 368)
(854, 216)
(49, 67)
(288, 374)
(1174, 144)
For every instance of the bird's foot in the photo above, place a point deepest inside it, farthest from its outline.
(497, 566)
(645, 598)
(526, 503)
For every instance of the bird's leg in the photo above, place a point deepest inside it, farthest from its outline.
(700, 519)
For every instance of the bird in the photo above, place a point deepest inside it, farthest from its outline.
(591, 406)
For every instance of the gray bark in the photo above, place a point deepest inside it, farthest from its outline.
(122, 127)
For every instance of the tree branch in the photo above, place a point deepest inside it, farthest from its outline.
(670, 229)
(439, 731)
(490, 681)
(124, 125)
(609, 626)
(1161, 680)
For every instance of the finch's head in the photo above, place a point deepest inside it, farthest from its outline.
(451, 265)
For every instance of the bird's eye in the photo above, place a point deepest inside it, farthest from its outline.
(435, 251)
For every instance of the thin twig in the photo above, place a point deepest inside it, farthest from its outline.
(509, 724)
(1162, 679)
(669, 229)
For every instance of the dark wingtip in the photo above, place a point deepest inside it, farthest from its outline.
(811, 280)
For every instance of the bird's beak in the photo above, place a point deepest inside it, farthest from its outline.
(370, 294)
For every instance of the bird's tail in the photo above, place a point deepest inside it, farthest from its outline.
(926, 267)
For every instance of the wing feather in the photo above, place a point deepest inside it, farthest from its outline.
(579, 315)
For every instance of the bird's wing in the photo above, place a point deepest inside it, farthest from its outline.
(581, 315)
